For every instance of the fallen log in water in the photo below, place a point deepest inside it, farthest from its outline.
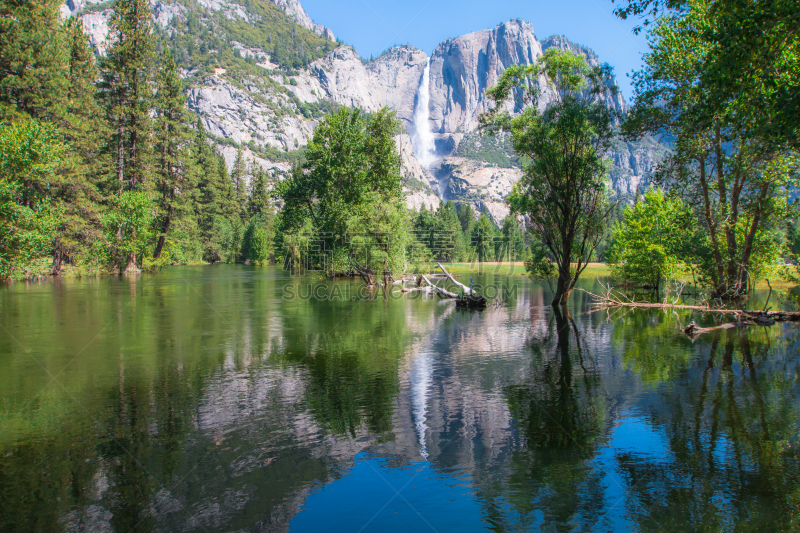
(470, 299)
(693, 330)
(473, 301)
(744, 317)
(467, 290)
(441, 291)
(760, 317)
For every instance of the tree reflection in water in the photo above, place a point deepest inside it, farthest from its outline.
(560, 411)
(732, 438)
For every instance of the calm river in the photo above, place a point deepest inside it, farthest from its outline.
(234, 398)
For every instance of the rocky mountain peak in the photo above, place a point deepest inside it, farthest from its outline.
(463, 68)
(299, 15)
(269, 105)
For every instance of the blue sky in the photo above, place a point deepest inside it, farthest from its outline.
(371, 26)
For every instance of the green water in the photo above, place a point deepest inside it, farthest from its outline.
(234, 398)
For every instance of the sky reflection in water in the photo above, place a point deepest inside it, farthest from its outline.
(204, 399)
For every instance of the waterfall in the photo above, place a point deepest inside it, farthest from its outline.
(420, 382)
(422, 141)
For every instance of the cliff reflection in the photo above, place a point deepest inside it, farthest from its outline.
(213, 403)
(560, 412)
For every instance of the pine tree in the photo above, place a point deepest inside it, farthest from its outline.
(171, 134)
(466, 215)
(239, 181)
(228, 206)
(204, 174)
(452, 239)
(259, 195)
(128, 91)
(33, 61)
(84, 131)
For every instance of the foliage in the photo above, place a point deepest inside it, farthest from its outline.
(736, 182)
(540, 266)
(128, 225)
(257, 239)
(513, 247)
(563, 190)
(484, 235)
(29, 154)
(646, 244)
(748, 61)
(440, 233)
(350, 190)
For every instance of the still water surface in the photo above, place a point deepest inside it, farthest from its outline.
(235, 398)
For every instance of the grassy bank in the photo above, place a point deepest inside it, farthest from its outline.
(515, 269)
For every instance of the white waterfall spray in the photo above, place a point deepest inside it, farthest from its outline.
(422, 141)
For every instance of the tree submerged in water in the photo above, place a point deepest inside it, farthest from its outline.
(562, 128)
(350, 191)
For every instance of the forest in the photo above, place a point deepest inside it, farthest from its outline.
(104, 169)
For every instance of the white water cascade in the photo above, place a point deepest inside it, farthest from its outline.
(422, 141)
(420, 381)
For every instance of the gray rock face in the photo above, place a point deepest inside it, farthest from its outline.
(252, 110)
(299, 15)
(463, 68)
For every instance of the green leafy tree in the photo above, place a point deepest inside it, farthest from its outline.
(748, 71)
(737, 183)
(127, 91)
(563, 191)
(646, 245)
(218, 241)
(350, 189)
(257, 239)
(128, 226)
(29, 154)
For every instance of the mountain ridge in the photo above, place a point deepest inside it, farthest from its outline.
(258, 81)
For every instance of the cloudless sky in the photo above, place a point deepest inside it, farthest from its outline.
(372, 26)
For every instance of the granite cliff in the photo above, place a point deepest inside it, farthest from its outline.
(271, 110)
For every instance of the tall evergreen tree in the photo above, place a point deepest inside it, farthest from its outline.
(228, 206)
(128, 90)
(33, 61)
(84, 131)
(466, 215)
(171, 135)
(239, 181)
(259, 203)
(452, 241)
(204, 174)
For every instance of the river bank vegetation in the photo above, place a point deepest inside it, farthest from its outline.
(104, 169)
